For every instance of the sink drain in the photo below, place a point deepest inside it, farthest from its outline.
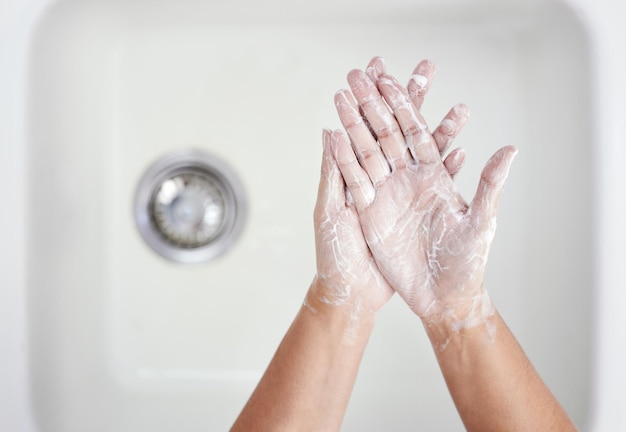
(190, 206)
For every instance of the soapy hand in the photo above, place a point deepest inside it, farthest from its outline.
(430, 245)
(347, 275)
(346, 271)
(360, 129)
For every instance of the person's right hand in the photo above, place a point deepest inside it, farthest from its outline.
(429, 244)
(419, 84)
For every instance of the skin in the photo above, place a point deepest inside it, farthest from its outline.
(426, 240)
(308, 383)
(432, 247)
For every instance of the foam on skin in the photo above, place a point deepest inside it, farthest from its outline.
(428, 243)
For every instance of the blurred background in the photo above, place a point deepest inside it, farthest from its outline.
(121, 339)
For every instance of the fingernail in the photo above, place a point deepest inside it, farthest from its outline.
(341, 98)
(385, 80)
(425, 66)
(461, 110)
(358, 79)
(334, 136)
(338, 97)
(390, 87)
(448, 126)
(459, 154)
(380, 66)
(511, 154)
(420, 80)
(502, 175)
(377, 68)
(325, 137)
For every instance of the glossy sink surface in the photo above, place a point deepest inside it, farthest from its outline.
(120, 339)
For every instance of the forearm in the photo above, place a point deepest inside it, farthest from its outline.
(492, 382)
(309, 381)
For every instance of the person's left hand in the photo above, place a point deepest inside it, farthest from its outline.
(429, 244)
(347, 274)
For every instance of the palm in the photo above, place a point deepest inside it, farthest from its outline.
(429, 244)
(345, 264)
(422, 238)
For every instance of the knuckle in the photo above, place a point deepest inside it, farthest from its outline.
(387, 131)
(368, 154)
(412, 131)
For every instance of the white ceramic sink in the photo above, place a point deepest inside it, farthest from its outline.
(104, 335)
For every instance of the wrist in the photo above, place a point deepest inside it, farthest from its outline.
(457, 318)
(347, 320)
(334, 297)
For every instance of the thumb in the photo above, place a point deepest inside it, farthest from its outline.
(484, 206)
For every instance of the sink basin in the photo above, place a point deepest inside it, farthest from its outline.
(106, 335)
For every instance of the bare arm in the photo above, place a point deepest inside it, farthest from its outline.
(309, 381)
(432, 247)
(493, 384)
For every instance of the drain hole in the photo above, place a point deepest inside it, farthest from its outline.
(190, 207)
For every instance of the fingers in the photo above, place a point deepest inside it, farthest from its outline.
(375, 68)
(356, 179)
(414, 128)
(484, 206)
(368, 151)
(384, 121)
(331, 190)
(420, 82)
(380, 118)
(450, 127)
(454, 162)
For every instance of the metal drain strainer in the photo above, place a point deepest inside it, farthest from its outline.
(190, 206)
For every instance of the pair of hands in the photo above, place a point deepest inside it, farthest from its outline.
(389, 217)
